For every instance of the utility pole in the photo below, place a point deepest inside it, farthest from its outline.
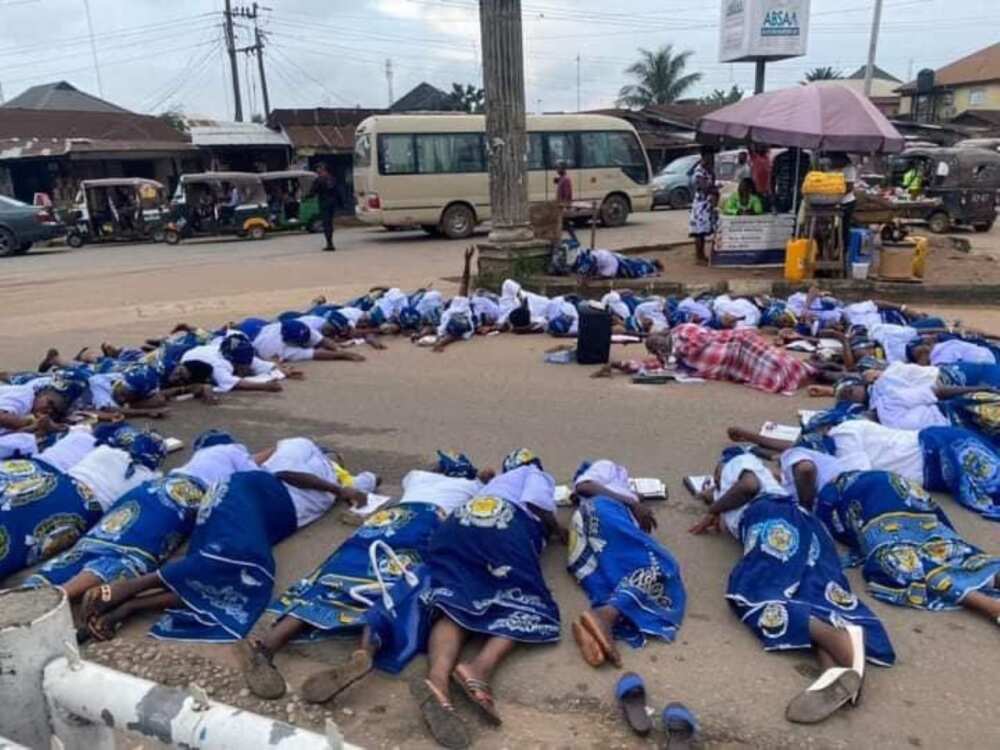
(259, 38)
(758, 79)
(93, 48)
(506, 129)
(578, 82)
(872, 46)
(388, 80)
(231, 49)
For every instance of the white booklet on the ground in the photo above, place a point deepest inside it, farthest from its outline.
(801, 345)
(648, 488)
(173, 444)
(780, 431)
(563, 493)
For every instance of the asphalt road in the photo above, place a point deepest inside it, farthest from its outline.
(485, 398)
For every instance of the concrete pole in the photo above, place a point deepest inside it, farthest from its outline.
(34, 625)
(758, 80)
(234, 69)
(506, 132)
(872, 47)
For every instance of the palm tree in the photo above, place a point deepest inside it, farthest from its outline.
(659, 78)
(823, 74)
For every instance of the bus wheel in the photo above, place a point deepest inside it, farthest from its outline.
(939, 222)
(614, 211)
(458, 221)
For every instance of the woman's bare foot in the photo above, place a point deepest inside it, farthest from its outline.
(51, 358)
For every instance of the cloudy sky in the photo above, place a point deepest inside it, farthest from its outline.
(156, 55)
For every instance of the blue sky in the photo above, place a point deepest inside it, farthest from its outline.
(156, 54)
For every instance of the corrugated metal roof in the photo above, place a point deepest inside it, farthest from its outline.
(36, 148)
(208, 133)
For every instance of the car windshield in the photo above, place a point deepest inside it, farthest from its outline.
(680, 166)
(5, 201)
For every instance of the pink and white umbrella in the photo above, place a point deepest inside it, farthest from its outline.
(823, 117)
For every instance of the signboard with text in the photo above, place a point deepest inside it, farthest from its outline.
(763, 29)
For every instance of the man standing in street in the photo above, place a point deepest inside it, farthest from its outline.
(564, 195)
(325, 190)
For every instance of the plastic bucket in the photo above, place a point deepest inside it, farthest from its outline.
(859, 271)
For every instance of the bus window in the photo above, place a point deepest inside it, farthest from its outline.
(561, 148)
(396, 154)
(536, 155)
(363, 151)
(613, 149)
(450, 153)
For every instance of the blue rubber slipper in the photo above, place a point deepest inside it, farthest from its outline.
(631, 694)
(680, 725)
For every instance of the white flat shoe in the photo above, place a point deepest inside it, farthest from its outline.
(834, 689)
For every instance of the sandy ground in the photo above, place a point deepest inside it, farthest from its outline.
(487, 397)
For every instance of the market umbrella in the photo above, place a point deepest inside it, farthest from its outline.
(817, 116)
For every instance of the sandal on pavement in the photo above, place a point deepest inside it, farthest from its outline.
(444, 723)
(590, 649)
(680, 726)
(478, 692)
(631, 694)
(259, 672)
(324, 685)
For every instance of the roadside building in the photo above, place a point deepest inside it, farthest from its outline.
(966, 85)
(240, 146)
(54, 135)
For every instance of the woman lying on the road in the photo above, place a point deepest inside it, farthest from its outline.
(740, 356)
(333, 599)
(789, 588)
(45, 508)
(147, 524)
(633, 582)
(295, 340)
(486, 578)
(219, 589)
(910, 552)
(39, 406)
(942, 459)
(228, 365)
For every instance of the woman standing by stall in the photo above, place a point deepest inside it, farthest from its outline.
(704, 215)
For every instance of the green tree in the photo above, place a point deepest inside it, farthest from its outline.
(175, 119)
(825, 73)
(659, 78)
(467, 98)
(721, 97)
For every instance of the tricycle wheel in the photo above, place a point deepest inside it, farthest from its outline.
(159, 235)
(257, 232)
(939, 222)
(315, 226)
(74, 240)
(983, 226)
(171, 236)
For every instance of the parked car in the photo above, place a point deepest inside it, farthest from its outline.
(22, 225)
(672, 184)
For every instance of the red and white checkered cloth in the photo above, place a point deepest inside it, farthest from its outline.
(741, 355)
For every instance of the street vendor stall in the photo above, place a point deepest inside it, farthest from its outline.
(822, 118)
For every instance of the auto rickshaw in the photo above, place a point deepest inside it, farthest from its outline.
(289, 204)
(218, 203)
(966, 180)
(118, 209)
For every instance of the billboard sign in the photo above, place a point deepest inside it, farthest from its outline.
(763, 29)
